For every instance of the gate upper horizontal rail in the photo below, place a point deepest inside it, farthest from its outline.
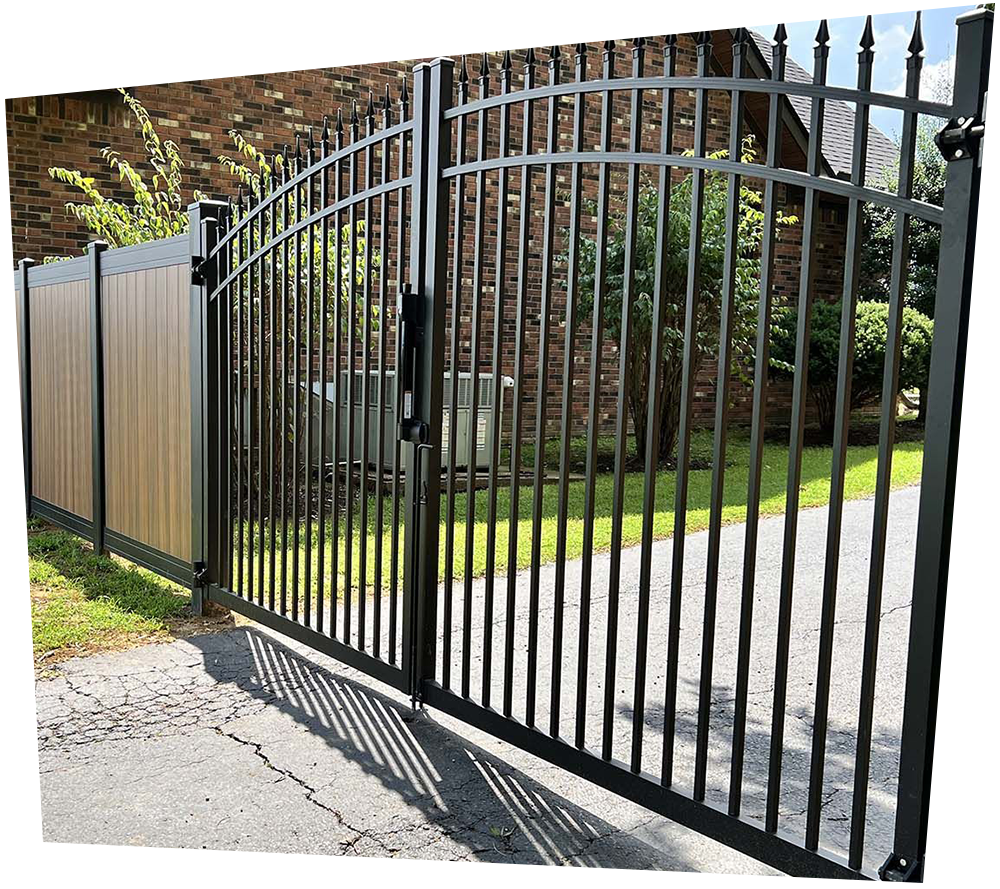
(307, 174)
(299, 227)
(918, 209)
(744, 84)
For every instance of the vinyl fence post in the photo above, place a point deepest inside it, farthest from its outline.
(960, 144)
(23, 268)
(94, 251)
(203, 217)
(432, 90)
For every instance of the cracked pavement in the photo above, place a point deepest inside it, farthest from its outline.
(248, 740)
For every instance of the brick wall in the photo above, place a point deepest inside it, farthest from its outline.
(70, 130)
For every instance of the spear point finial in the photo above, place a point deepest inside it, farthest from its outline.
(780, 35)
(916, 46)
(867, 40)
(823, 33)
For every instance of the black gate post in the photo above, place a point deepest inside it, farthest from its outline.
(94, 251)
(203, 217)
(432, 88)
(959, 143)
(23, 268)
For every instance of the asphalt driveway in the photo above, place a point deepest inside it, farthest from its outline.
(246, 740)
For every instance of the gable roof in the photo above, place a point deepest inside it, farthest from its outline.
(838, 123)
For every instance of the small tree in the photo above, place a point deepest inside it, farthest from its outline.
(675, 269)
(157, 208)
(871, 336)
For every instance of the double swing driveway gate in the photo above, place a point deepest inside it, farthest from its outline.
(416, 250)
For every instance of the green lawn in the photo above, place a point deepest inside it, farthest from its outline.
(814, 491)
(82, 603)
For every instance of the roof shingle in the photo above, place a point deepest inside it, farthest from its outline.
(838, 124)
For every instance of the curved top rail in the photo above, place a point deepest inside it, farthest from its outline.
(746, 84)
(910, 206)
(303, 224)
(306, 174)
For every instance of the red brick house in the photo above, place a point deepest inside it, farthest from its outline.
(71, 129)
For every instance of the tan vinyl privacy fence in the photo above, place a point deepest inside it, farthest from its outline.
(106, 397)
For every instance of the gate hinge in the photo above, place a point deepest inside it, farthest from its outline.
(898, 869)
(200, 573)
(197, 276)
(960, 138)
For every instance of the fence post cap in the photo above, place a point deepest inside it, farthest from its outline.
(94, 246)
(974, 15)
(207, 204)
(26, 261)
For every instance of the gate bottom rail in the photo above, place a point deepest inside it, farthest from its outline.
(395, 676)
(780, 850)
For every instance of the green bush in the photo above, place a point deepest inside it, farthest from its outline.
(672, 258)
(871, 334)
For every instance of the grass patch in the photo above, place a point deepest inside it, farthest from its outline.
(83, 603)
(862, 466)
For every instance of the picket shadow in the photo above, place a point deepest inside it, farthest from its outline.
(495, 811)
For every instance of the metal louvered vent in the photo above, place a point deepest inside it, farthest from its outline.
(459, 419)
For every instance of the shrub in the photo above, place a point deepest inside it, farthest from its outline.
(751, 222)
(871, 335)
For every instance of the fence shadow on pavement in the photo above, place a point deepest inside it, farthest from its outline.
(495, 811)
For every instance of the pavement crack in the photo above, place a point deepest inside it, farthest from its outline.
(310, 794)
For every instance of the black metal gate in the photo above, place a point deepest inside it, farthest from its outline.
(361, 304)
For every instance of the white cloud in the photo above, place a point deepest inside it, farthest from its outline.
(892, 41)
(935, 80)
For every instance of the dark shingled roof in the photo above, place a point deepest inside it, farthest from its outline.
(838, 124)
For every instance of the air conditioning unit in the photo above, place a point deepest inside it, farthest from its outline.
(487, 416)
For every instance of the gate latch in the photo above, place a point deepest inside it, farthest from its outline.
(410, 331)
(960, 138)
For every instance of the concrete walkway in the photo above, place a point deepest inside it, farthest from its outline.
(245, 740)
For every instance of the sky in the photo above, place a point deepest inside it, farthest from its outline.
(892, 36)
